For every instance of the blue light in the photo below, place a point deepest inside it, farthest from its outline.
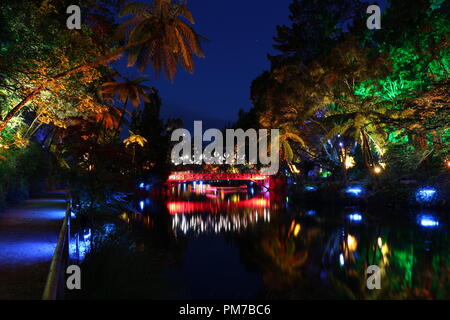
(88, 235)
(354, 190)
(142, 185)
(355, 217)
(341, 144)
(425, 194)
(141, 205)
(341, 259)
(428, 221)
(311, 212)
(310, 188)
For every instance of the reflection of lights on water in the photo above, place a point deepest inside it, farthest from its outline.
(425, 194)
(141, 205)
(355, 217)
(354, 190)
(177, 207)
(297, 229)
(380, 242)
(341, 259)
(80, 245)
(310, 188)
(87, 234)
(216, 224)
(352, 243)
(384, 249)
(428, 221)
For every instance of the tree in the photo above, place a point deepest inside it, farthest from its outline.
(165, 39)
(157, 26)
(132, 90)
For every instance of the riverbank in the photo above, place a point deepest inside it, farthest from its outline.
(375, 194)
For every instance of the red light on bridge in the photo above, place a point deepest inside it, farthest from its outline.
(180, 177)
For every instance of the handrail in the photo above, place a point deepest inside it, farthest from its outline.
(52, 290)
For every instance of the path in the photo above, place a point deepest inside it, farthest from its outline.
(28, 236)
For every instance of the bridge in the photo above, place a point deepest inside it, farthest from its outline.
(190, 176)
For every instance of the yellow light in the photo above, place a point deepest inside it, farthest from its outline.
(380, 242)
(352, 243)
(297, 229)
(448, 164)
(377, 169)
(384, 249)
(349, 162)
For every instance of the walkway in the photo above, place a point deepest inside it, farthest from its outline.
(28, 236)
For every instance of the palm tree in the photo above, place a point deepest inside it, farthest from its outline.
(363, 126)
(128, 90)
(156, 35)
(288, 131)
(166, 40)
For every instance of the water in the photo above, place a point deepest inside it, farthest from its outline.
(245, 243)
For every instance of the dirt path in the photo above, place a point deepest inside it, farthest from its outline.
(28, 236)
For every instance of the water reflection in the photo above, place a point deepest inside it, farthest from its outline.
(295, 252)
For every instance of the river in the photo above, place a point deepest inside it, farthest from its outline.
(239, 242)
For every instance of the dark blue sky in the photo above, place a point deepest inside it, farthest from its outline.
(240, 34)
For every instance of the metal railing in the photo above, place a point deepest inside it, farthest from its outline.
(56, 284)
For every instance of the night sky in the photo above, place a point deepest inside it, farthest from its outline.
(240, 34)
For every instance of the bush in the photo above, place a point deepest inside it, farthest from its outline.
(22, 173)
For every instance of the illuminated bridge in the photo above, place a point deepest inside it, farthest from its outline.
(189, 176)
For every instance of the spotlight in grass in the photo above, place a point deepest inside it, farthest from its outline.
(355, 217)
(355, 191)
(377, 170)
(428, 221)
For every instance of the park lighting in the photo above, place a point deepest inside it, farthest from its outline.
(425, 194)
(447, 162)
(377, 170)
(355, 190)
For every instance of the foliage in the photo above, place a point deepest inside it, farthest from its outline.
(355, 89)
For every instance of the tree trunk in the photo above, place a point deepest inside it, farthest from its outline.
(121, 117)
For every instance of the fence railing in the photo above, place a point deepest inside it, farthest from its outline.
(55, 285)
